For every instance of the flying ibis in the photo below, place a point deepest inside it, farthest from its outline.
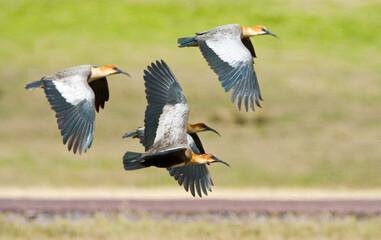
(229, 52)
(75, 94)
(191, 176)
(165, 138)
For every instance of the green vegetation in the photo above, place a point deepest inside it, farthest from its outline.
(106, 227)
(320, 125)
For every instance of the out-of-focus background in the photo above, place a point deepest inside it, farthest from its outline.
(319, 128)
(320, 125)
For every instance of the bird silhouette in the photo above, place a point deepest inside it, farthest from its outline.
(165, 135)
(75, 94)
(229, 52)
(192, 177)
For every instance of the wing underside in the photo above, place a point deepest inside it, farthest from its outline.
(167, 111)
(76, 121)
(233, 63)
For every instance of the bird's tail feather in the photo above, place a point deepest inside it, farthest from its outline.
(34, 85)
(187, 42)
(130, 134)
(132, 161)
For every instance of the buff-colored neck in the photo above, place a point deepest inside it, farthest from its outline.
(251, 31)
(201, 159)
(100, 72)
(194, 128)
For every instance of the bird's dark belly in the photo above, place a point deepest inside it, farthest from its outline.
(166, 160)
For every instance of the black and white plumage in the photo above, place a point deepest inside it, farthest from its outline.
(165, 138)
(167, 112)
(75, 94)
(229, 52)
(165, 121)
(192, 177)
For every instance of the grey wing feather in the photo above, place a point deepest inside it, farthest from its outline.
(193, 176)
(161, 88)
(242, 78)
(76, 122)
(101, 91)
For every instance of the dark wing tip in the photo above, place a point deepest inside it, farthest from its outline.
(194, 178)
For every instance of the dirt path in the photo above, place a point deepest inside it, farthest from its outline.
(356, 207)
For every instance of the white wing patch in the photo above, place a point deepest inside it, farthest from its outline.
(172, 128)
(75, 89)
(229, 50)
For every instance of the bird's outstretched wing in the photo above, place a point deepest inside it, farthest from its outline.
(100, 88)
(193, 177)
(166, 115)
(73, 102)
(233, 63)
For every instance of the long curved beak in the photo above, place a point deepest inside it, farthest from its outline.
(118, 70)
(270, 33)
(216, 159)
(211, 129)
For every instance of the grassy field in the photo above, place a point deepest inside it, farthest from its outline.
(106, 227)
(320, 126)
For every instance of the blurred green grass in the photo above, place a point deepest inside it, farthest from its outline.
(188, 227)
(320, 123)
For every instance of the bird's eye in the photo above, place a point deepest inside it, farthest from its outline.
(115, 68)
(95, 66)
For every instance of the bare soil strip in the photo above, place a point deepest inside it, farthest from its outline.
(179, 193)
(353, 207)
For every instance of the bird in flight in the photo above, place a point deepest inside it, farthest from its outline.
(192, 177)
(75, 94)
(229, 52)
(165, 138)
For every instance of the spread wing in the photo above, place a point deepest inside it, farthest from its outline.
(73, 101)
(166, 115)
(100, 88)
(233, 63)
(193, 177)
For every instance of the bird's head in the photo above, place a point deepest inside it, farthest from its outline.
(206, 158)
(100, 72)
(255, 31)
(211, 158)
(199, 127)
